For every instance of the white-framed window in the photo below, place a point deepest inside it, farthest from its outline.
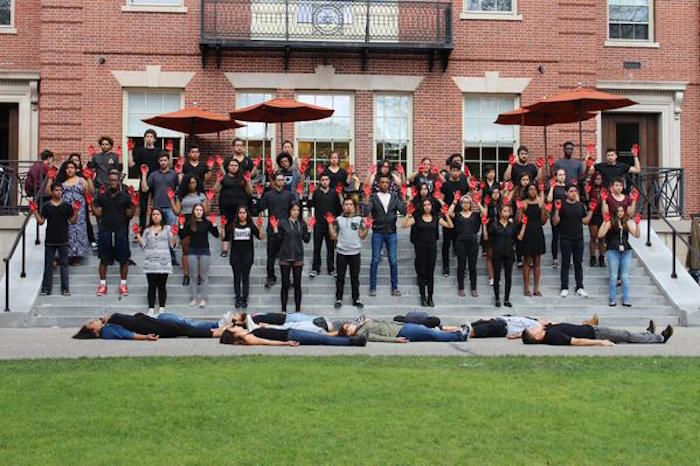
(393, 124)
(318, 139)
(155, 2)
(252, 133)
(491, 9)
(486, 143)
(145, 103)
(7, 14)
(630, 20)
(158, 6)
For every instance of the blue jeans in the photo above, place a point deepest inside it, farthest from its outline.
(169, 218)
(619, 265)
(186, 322)
(391, 242)
(312, 338)
(415, 332)
(299, 317)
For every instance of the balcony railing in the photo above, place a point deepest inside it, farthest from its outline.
(376, 26)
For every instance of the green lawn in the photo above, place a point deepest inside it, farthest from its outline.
(351, 410)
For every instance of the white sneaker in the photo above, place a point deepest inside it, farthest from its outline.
(193, 303)
(490, 281)
(564, 293)
(225, 319)
(161, 310)
(151, 312)
(582, 293)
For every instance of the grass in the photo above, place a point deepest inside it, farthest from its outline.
(350, 410)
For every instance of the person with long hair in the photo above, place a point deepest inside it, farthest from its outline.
(455, 181)
(594, 189)
(141, 327)
(466, 233)
(519, 194)
(424, 175)
(394, 332)
(61, 177)
(425, 232)
(616, 231)
(156, 241)
(532, 241)
(235, 190)
(349, 230)
(557, 192)
(265, 336)
(75, 189)
(292, 232)
(502, 233)
(241, 234)
(189, 194)
(492, 204)
(197, 229)
(383, 168)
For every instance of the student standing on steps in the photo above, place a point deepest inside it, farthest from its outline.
(324, 200)
(570, 216)
(59, 215)
(146, 155)
(349, 230)
(162, 185)
(502, 234)
(242, 231)
(194, 166)
(235, 190)
(466, 236)
(197, 229)
(557, 192)
(156, 241)
(616, 231)
(533, 216)
(104, 162)
(114, 209)
(457, 181)
(291, 233)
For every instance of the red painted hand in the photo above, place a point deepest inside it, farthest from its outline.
(312, 221)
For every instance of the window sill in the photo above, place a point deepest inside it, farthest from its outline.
(8, 30)
(491, 16)
(153, 9)
(632, 44)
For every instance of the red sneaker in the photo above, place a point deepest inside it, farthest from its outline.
(101, 290)
(123, 290)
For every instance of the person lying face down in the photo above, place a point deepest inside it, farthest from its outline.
(141, 327)
(588, 335)
(265, 336)
(393, 332)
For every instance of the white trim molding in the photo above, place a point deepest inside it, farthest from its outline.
(153, 77)
(491, 83)
(130, 7)
(638, 44)
(664, 98)
(489, 15)
(325, 78)
(22, 88)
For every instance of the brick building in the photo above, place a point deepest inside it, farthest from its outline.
(408, 79)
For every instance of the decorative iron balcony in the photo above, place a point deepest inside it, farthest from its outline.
(364, 26)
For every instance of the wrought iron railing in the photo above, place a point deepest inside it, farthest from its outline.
(664, 187)
(384, 23)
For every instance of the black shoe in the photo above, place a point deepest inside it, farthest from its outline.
(423, 302)
(185, 280)
(238, 303)
(270, 282)
(45, 293)
(244, 304)
(497, 303)
(358, 341)
(667, 332)
(358, 304)
(507, 304)
(601, 261)
(338, 304)
(520, 264)
(652, 327)
(592, 262)
(175, 263)
(445, 273)
(430, 302)
(199, 280)
(65, 293)
(131, 262)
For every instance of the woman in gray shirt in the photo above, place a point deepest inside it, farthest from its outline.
(155, 242)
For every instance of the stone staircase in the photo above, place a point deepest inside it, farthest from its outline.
(319, 293)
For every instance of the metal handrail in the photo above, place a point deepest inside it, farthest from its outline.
(20, 235)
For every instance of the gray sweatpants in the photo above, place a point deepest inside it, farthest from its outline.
(199, 266)
(623, 336)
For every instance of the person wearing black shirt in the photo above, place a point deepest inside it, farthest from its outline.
(616, 232)
(588, 335)
(235, 191)
(292, 175)
(557, 192)
(518, 167)
(277, 202)
(611, 168)
(502, 234)
(194, 166)
(197, 229)
(570, 216)
(425, 232)
(58, 214)
(423, 175)
(466, 236)
(246, 164)
(532, 243)
(241, 234)
(324, 201)
(336, 173)
(383, 168)
(104, 162)
(114, 209)
(146, 155)
(291, 232)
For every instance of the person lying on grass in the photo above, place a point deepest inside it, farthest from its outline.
(265, 336)
(393, 332)
(589, 335)
(141, 327)
(512, 327)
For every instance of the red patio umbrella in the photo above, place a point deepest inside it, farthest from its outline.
(577, 102)
(193, 120)
(280, 110)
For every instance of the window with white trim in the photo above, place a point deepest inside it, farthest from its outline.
(7, 13)
(142, 104)
(252, 133)
(155, 2)
(318, 139)
(630, 19)
(486, 143)
(490, 6)
(393, 117)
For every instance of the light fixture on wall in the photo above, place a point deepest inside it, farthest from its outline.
(102, 60)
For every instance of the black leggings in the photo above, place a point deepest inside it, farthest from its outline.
(425, 268)
(144, 325)
(503, 261)
(555, 241)
(284, 294)
(466, 249)
(241, 275)
(157, 281)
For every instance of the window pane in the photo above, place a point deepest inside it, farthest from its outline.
(627, 31)
(5, 12)
(157, 2)
(145, 104)
(137, 102)
(472, 153)
(614, 31)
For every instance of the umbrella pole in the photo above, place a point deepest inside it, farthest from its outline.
(546, 160)
(262, 165)
(580, 132)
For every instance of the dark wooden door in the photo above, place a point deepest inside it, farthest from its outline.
(622, 130)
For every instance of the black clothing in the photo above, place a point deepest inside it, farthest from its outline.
(199, 171)
(490, 328)
(385, 221)
(425, 232)
(519, 170)
(503, 238)
(426, 255)
(466, 228)
(57, 218)
(321, 234)
(466, 248)
(561, 334)
(241, 258)
(612, 171)
(103, 163)
(272, 250)
(285, 270)
(232, 196)
(276, 334)
(199, 238)
(449, 188)
(618, 237)
(341, 177)
(533, 243)
(145, 325)
(149, 157)
(49, 256)
(502, 260)
(342, 262)
(570, 223)
(324, 203)
(277, 204)
(429, 180)
(291, 235)
(245, 165)
(157, 282)
(114, 207)
(570, 248)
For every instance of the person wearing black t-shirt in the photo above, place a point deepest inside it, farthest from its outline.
(616, 231)
(241, 234)
(336, 173)
(570, 216)
(146, 155)
(588, 335)
(235, 190)
(114, 210)
(246, 164)
(194, 166)
(277, 202)
(423, 175)
(519, 166)
(556, 192)
(58, 214)
(455, 182)
(466, 234)
(324, 201)
(197, 229)
(291, 232)
(425, 232)
(502, 234)
(611, 168)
